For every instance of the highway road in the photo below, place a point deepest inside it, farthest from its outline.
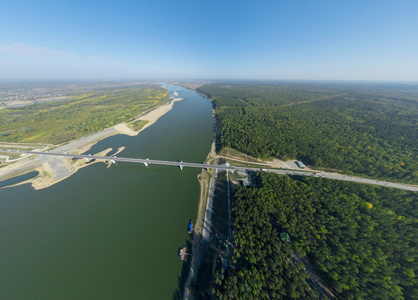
(182, 164)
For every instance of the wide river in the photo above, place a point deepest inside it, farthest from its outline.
(109, 233)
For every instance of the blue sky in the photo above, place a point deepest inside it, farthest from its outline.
(280, 39)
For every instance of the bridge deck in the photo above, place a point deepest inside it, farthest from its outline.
(223, 167)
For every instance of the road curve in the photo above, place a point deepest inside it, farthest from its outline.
(224, 167)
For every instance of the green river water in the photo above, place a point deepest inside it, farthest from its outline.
(109, 233)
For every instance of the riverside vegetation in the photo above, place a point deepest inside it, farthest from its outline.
(369, 130)
(60, 121)
(362, 240)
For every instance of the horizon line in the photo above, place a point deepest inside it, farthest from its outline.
(200, 79)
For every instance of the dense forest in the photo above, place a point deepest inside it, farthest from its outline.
(63, 120)
(264, 94)
(356, 129)
(361, 240)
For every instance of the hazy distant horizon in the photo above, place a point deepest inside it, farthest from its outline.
(232, 80)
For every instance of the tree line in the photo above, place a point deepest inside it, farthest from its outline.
(361, 240)
(352, 129)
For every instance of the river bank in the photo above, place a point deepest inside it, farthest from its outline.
(52, 169)
(110, 232)
(197, 245)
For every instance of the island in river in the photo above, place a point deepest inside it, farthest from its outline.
(110, 233)
(52, 170)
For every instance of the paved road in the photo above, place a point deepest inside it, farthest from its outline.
(225, 167)
(351, 178)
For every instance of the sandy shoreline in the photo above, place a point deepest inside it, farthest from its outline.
(54, 169)
(204, 182)
(151, 117)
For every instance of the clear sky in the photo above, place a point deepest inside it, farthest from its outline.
(211, 39)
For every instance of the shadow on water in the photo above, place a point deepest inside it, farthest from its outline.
(181, 280)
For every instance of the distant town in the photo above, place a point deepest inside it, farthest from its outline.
(18, 94)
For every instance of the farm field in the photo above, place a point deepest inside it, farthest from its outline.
(56, 122)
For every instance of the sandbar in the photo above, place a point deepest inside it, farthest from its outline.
(54, 169)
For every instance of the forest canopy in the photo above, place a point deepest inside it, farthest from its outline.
(361, 240)
(352, 128)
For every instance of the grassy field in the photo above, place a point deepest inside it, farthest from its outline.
(56, 122)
